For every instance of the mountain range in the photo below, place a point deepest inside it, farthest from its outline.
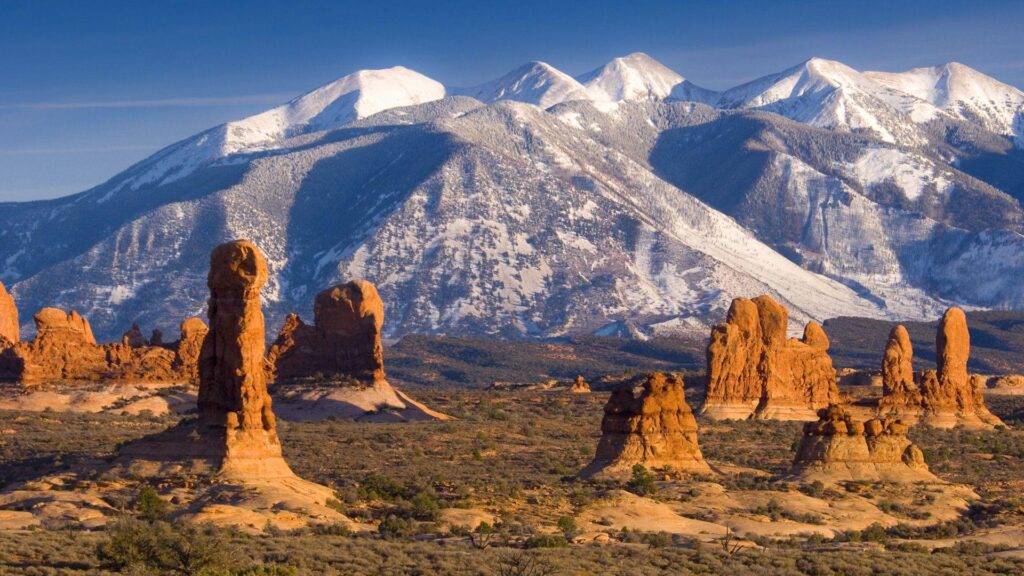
(626, 200)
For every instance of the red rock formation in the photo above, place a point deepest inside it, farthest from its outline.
(838, 448)
(579, 386)
(234, 406)
(9, 328)
(754, 371)
(648, 422)
(157, 338)
(344, 340)
(943, 398)
(64, 350)
(134, 337)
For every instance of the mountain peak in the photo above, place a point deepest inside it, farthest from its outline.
(535, 82)
(636, 76)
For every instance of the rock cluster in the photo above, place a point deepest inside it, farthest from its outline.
(579, 386)
(943, 398)
(838, 448)
(344, 340)
(234, 442)
(754, 370)
(9, 328)
(648, 422)
(64, 349)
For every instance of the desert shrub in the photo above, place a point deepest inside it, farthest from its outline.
(379, 487)
(815, 489)
(149, 504)
(547, 541)
(567, 524)
(394, 527)
(641, 482)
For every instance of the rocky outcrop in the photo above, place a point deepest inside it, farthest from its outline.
(64, 349)
(943, 398)
(839, 448)
(134, 337)
(344, 341)
(226, 466)
(648, 422)
(755, 371)
(9, 328)
(579, 386)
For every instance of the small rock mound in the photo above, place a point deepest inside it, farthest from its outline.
(754, 371)
(839, 448)
(579, 386)
(648, 422)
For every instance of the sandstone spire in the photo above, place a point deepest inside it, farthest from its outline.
(9, 328)
(837, 448)
(134, 338)
(754, 371)
(943, 398)
(648, 422)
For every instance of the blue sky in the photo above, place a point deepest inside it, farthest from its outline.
(89, 88)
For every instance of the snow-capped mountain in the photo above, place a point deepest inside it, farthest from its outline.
(353, 97)
(625, 200)
(536, 83)
(964, 93)
(633, 77)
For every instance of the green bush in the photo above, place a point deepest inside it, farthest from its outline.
(149, 505)
(547, 541)
(641, 483)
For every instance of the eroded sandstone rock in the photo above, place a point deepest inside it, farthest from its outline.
(65, 350)
(755, 371)
(839, 448)
(648, 422)
(579, 386)
(942, 398)
(9, 327)
(344, 340)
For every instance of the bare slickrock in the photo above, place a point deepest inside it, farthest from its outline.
(755, 371)
(189, 346)
(343, 341)
(648, 422)
(9, 327)
(943, 398)
(840, 448)
(579, 386)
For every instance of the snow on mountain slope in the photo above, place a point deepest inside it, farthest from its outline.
(633, 77)
(536, 83)
(352, 97)
(963, 92)
(829, 94)
(543, 207)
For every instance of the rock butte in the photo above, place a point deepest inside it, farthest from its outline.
(335, 368)
(838, 448)
(234, 442)
(343, 341)
(64, 349)
(754, 371)
(648, 422)
(943, 398)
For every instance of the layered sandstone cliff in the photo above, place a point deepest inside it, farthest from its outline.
(754, 370)
(839, 448)
(648, 422)
(942, 398)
